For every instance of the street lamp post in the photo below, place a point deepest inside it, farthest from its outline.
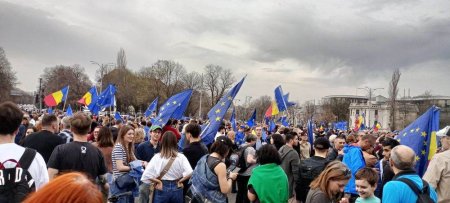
(103, 68)
(370, 91)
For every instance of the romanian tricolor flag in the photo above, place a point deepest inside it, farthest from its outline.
(377, 126)
(57, 97)
(358, 122)
(272, 110)
(88, 97)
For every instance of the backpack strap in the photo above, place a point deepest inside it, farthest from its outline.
(414, 187)
(27, 158)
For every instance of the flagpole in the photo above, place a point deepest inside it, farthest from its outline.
(65, 100)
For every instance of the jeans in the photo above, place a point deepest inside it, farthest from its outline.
(144, 192)
(171, 193)
(122, 199)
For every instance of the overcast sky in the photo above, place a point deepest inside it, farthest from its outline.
(311, 48)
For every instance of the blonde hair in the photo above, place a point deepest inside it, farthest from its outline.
(138, 135)
(334, 171)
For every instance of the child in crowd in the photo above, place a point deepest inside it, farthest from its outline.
(366, 183)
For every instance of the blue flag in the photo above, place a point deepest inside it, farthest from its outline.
(117, 116)
(281, 103)
(50, 110)
(233, 120)
(421, 137)
(179, 112)
(69, 111)
(288, 103)
(310, 133)
(252, 120)
(151, 108)
(216, 114)
(172, 105)
(105, 99)
(272, 126)
(284, 121)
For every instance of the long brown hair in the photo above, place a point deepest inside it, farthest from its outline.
(129, 148)
(105, 138)
(335, 171)
(169, 147)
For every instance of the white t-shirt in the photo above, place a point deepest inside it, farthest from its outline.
(38, 168)
(180, 168)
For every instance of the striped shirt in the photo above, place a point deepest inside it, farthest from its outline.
(118, 153)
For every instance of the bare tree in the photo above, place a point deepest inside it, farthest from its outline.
(393, 93)
(121, 59)
(7, 77)
(217, 80)
(192, 80)
(57, 77)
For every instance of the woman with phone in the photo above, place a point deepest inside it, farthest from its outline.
(211, 181)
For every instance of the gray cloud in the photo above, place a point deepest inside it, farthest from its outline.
(311, 48)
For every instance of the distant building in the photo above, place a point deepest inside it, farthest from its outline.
(19, 96)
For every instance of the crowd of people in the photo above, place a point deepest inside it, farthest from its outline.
(84, 158)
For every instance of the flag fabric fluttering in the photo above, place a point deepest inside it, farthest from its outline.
(105, 99)
(358, 122)
(272, 110)
(286, 99)
(89, 97)
(216, 114)
(281, 103)
(376, 126)
(341, 126)
(233, 120)
(272, 126)
(69, 111)
(179, 112)
(151, 108)
(117, 116)
(171, 106)
(57, 97)
(284, 121)
(420, 135)
(252, 120)
(50, 110)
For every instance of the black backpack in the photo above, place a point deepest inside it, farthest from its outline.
(309, 169)
(237, 158)
(16, 182)
(423, 196)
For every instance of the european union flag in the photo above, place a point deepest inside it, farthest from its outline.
(233, 120)
(151, 108)
(281, 103)
(272, 126)
(286, 99)
(69, 111)
(216, 114)
(284, 121)
(171, 106)
(421, 137)
(252, 120)
(117, 116)
(178, 114)
(105, 99)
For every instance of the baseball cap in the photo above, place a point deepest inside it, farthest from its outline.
(321, 143)
(154, 127)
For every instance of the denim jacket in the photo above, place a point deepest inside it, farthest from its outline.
(205, 182)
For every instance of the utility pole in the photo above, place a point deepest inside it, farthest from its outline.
(102, 71)
(370, 91)
(40, 95)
